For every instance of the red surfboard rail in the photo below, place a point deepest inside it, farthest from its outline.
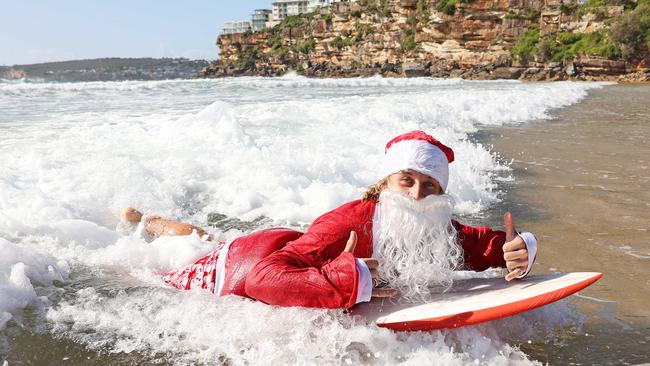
(490, 313)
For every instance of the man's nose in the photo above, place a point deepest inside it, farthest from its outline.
(416, 192)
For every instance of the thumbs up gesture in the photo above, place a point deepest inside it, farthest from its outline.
(514, 250)
(373, 266)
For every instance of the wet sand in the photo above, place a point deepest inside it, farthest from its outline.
(582, 185)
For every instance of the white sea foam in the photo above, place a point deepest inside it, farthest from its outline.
(22, 268)
(285, 148)
(197, 327)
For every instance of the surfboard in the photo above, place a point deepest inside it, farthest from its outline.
(475, 300)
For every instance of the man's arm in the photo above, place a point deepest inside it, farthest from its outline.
(314, 270)
(289, 278)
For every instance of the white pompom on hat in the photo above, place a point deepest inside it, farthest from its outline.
(419, 151)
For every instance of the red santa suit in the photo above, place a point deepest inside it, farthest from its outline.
(286, 267)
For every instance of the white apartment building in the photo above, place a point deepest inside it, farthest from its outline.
(241, 26)
(285, 8)
(259, 19)
(313, 4)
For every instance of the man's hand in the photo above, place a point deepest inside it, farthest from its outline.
(373, 266)
(514, 250)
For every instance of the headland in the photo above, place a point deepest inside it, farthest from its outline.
(107, 69)
(473, 39)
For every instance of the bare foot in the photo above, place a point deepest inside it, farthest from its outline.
(131, 215)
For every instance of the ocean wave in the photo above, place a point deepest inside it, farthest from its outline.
(279, 154)
(287, 149)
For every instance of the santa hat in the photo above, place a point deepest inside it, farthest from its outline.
(418, 151)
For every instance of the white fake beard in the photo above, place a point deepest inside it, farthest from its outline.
(417, 243)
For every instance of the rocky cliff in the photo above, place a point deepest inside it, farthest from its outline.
(529, 39)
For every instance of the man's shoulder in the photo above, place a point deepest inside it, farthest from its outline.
(360, 203)
(336, 225)
(353, 210)
(359, 206)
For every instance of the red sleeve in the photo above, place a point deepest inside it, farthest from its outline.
(483, 246)
(312, 271)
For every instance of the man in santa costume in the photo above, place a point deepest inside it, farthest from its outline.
(399, 238)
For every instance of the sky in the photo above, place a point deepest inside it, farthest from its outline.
(33, 31)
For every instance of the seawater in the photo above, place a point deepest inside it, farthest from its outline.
(79, 285)
(583, 190)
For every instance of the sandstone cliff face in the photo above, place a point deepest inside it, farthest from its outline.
(471, 39)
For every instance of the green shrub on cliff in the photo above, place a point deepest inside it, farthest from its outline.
(340, 42)
(632, 30)
(569, 45)
(247, 58)
(408, 43)
(564, 46)
(304, 47)
(294, 21)
(569, 37)
(385, 10)
(361, 31)
(379, 7)
(280, 52)
(447, 6)
(423, 11)
(412, 20)
(568, 9)
(595, 44)
(372, 7)
(526, 45)
(274, 41)
(595, 7)
(337, 42)
(531, 14)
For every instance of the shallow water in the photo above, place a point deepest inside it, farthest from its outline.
(583, 186)
(287, 149)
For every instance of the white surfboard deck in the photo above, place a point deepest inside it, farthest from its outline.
(475, 300)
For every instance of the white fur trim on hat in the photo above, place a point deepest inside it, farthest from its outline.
(417, 155)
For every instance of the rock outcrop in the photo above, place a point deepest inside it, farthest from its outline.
(472, 39)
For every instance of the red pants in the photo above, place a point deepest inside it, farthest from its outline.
(201, 274)
(242, 255)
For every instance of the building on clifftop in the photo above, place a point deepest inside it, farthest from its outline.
(314, 4)
(259, 19)
(285, 8)
(233, 27)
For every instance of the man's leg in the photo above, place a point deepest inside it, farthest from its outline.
(157, 226)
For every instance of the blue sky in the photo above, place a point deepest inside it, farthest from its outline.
(34, 31)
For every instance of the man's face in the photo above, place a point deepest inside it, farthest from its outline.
(414, 184)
